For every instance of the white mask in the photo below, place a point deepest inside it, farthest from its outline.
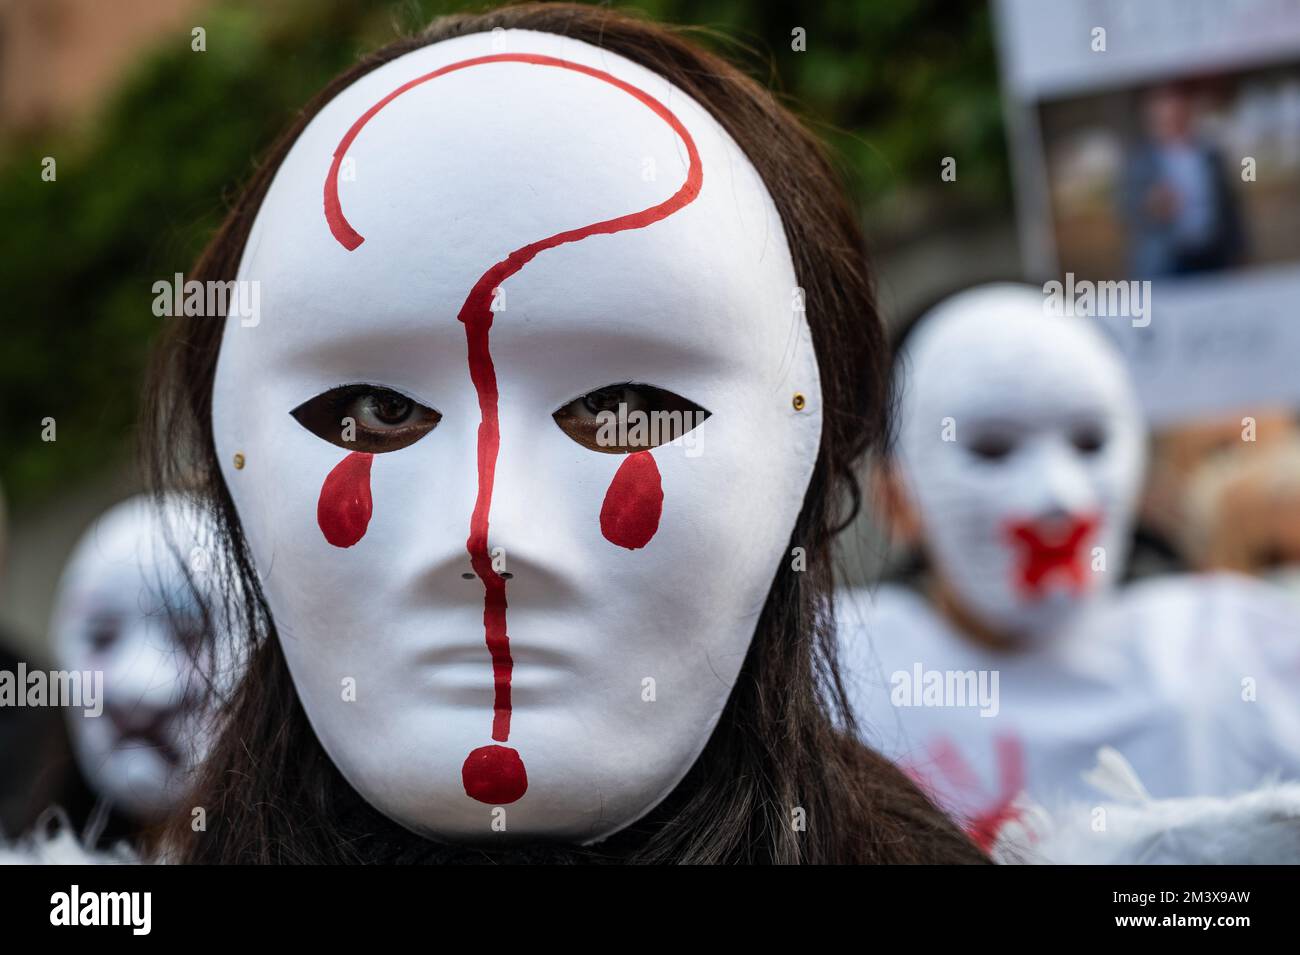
(122, 610)
(1023, 448)
(495, 631)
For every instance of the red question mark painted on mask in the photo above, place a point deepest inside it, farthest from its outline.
(495, 774)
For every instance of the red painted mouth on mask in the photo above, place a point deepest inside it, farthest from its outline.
(496, 774)
(1051, 553)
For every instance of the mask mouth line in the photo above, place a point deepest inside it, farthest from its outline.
(529, 655)
(153, 741)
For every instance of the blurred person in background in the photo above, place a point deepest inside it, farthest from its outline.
(1004, 666)
(1181, 212)
(127, 609)
(1224, 494)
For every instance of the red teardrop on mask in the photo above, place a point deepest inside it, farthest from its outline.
(494, 775)
(634, 502)
(344, 509)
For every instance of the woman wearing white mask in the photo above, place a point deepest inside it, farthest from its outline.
(529, 462)
(1017, 467)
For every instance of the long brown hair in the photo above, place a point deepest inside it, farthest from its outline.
(786, 738)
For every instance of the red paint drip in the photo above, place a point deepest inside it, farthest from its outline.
(634, 502)
(1059, 553)
(494, 775)
(482, 772)
(344, 509)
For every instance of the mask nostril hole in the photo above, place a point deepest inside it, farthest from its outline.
(467, 576)
(506, 575)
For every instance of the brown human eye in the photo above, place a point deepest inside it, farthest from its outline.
(368, 418)
(628, 417)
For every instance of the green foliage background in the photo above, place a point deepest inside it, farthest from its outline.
(893, 85)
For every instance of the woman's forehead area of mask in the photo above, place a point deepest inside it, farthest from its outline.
(455, 174)
(996, 354)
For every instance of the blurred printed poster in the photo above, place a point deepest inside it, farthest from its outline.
(1159, 141)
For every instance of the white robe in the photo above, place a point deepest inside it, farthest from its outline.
(1163, 671)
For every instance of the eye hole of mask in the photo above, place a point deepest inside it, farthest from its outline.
(992, 445)
(384, 420)
(620, 419)
(1088, 437)
(102, 634)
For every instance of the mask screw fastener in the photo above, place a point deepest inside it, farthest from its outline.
(239, 462)
(799, 402)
